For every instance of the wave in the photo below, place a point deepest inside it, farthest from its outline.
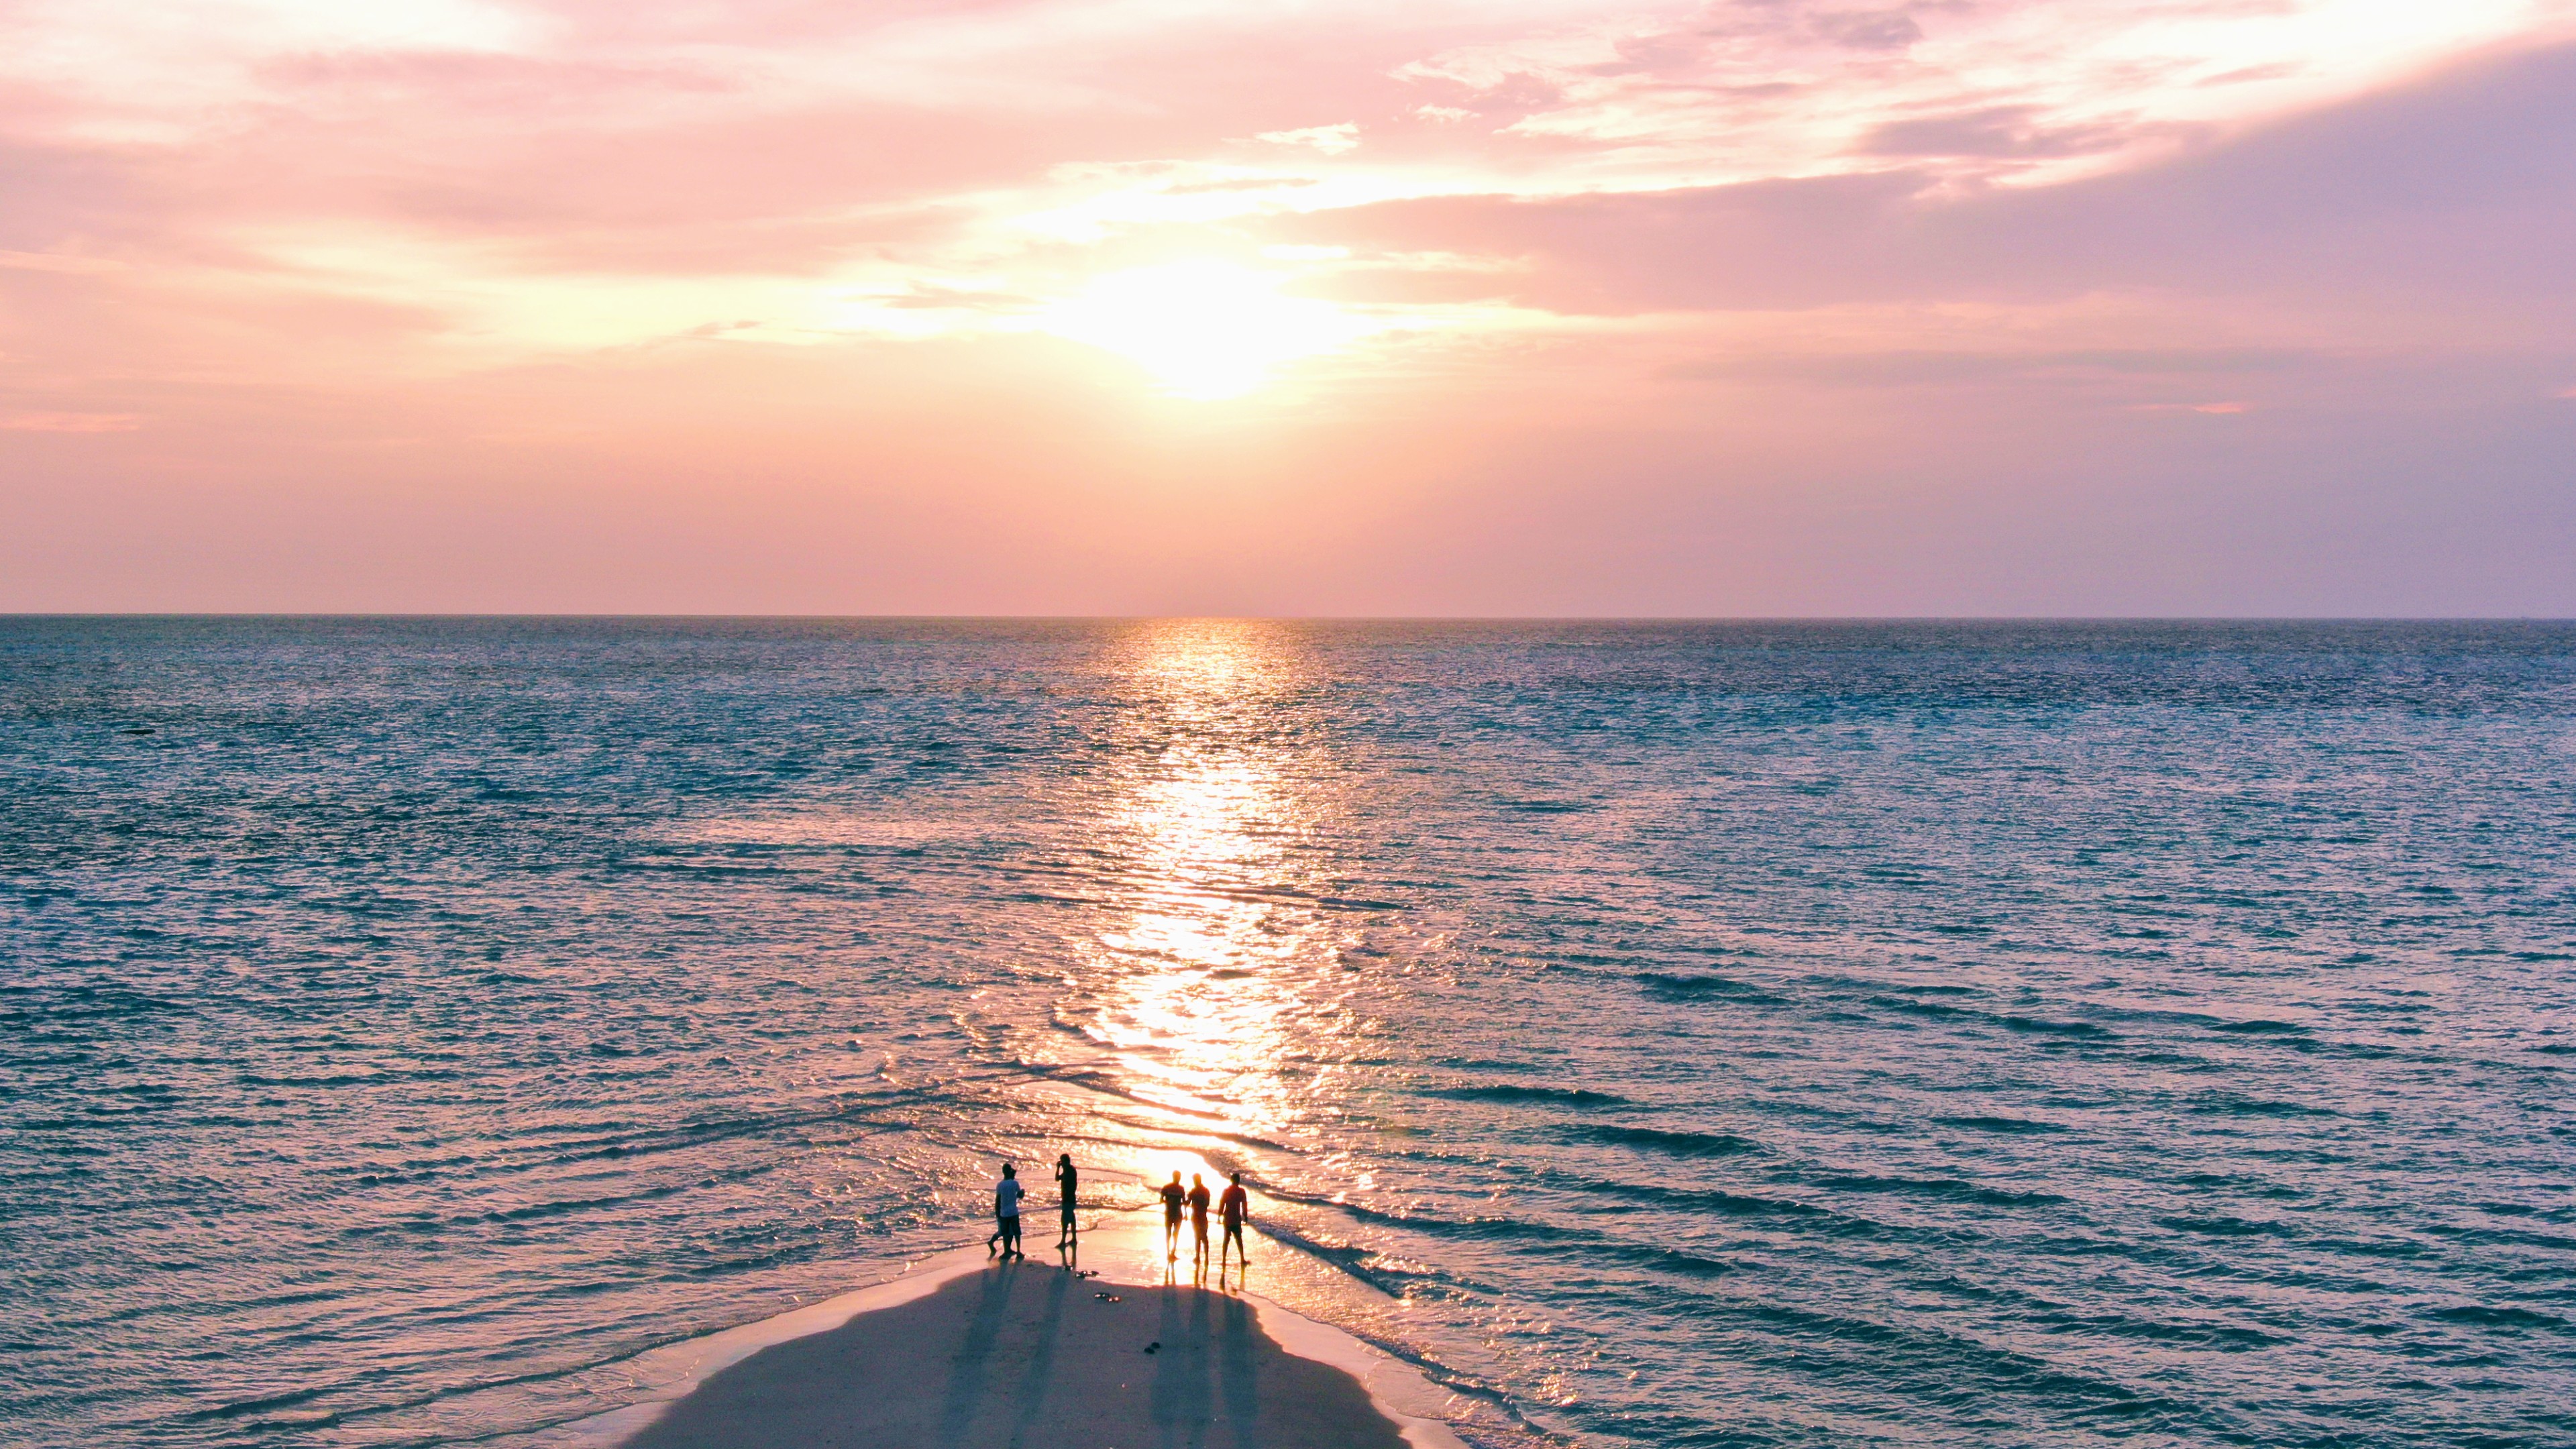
(1704, 987)
(2221, 1226)
(2222, 1337)
(1656, 1139)
(1516, 1092)
(2486, 1317)
(2227, 1104)
(2009, 1126)
(1950, 1189)
(2027, 1025)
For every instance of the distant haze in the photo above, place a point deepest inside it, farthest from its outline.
(2078, 307)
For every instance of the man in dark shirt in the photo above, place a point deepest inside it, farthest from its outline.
(1065, 1183)
(1174, 1195)
(1234, 1207)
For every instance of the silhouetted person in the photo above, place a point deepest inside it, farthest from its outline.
(1198, 1216)
(1174, 1195)
(1234, 1207)
(1006, 1214)
(1066, 1183)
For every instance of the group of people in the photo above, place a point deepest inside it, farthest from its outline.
(1233, 1206)
(1006, 1207)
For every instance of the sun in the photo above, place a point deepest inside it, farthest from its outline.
(1205, 330)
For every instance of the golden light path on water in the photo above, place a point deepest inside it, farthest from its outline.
(1213, 981)
(1203, 975)
(1191, 962)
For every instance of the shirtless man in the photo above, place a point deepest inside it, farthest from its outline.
(1198, 1217)
(1234, 1207)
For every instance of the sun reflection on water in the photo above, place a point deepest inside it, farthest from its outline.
(1197, 961)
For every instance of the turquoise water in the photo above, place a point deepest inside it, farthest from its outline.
(1718, 1034)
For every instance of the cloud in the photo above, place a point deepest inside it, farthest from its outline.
(498, 145)
(71, 423)
(1909, 367)
(56, 262)
(1869, 29)
(1695, 283)
(1995, 131)
(1669, 97)
(2447, 192)
(1331, 140)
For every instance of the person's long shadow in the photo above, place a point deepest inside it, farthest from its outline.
(1238, 1370)
(1180, 1394)
(1033, 1386)
(966, 1375)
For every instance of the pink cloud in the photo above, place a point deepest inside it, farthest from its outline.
(786, 267)
(72, 423)
(55, 262)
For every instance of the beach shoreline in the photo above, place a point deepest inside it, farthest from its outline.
(880, 1354)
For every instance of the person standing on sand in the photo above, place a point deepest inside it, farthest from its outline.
(1234, 1207)
(1198, 1217)
(1173, 1196)
(1065, 1184)
(1006, 1214)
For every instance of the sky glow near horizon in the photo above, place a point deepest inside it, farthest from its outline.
(1164, 306)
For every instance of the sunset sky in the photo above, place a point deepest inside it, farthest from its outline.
(1513, 307)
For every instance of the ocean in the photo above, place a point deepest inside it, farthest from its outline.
(1664, 1033)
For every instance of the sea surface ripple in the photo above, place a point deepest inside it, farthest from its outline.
(1709, 1034)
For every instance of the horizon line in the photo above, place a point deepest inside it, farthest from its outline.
(1034, 618)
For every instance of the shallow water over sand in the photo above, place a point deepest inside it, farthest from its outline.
(1710, 1034)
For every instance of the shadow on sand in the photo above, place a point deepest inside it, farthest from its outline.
(1022, 1357)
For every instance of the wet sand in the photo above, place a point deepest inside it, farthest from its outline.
(1030, 1356)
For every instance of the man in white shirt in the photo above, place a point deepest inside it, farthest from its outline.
(1006, 1214)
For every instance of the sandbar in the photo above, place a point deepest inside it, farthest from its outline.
(964, 1351)
(1029, 1355)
